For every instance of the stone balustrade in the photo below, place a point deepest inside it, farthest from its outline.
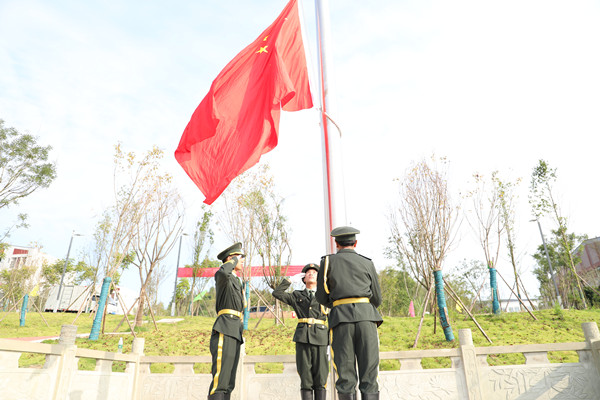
(469, 375)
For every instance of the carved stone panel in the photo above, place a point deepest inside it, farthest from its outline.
(422, 385)
(560, 382)
(100, 385)
(26, 384)
(167, 386)
(273, 387)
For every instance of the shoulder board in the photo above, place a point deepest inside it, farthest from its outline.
(364, 257)
(328, 255)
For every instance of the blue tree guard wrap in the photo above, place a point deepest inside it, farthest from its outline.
(100, 311)
(441, 300)
(24, 309)
(247, 305)
(494, 286)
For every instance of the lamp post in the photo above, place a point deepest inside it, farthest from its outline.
(176, 270)
(549, 262)
(62, 277)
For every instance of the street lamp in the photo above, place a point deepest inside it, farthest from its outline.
(549, 262)
(176, 270)
(62, 277)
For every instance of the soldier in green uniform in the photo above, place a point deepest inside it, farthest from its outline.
(226, 337)
(347, 283)
(311, 336)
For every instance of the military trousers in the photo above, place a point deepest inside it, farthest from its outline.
(312, 366)
(352, 344)
(225, 352)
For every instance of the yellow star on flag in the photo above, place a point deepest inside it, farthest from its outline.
(263, 49)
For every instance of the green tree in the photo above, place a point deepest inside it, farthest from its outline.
(560, 259)
(23, 165)
(14, 283)
(542, 200)
(397, 288)
(182, 292)
(24, 168)
(203, 240)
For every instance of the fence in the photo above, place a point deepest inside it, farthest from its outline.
(468, 377)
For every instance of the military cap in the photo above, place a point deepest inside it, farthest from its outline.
(233, 250)
(344, 233)
(310, 266)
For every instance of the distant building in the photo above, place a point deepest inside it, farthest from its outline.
(20, 256)
(513, 305)
(589, 266)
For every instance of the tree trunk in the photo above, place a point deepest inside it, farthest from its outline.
(139, 316)
(494, 286)
(441, 302)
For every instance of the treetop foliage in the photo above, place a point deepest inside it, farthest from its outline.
(23, 165)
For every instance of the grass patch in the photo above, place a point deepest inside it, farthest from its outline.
(506, 359)
(389, 365)
(202, 368)
(563, 357)
(436, 362)
(162, 368)
(268, 368)
(192, 335)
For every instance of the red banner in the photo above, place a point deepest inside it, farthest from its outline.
(256, 271)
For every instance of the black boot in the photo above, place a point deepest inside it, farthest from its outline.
(320, 394)
(217, 396)
(346, 396)
(227, 396)
(306, 394)
(369, 396)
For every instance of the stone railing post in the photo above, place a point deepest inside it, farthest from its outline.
(133, 368)
(470, 366)
(66, 363)
(239, 392)
(592, 336)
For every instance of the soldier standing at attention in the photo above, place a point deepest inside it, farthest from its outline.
(226, 337)
(311, 334)
(347, 283)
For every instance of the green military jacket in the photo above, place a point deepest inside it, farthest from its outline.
(305, 307)
(347, 274)
(230, 295)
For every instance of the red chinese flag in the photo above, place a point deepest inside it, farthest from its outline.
(238, 120)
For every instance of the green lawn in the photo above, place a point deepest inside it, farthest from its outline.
(191, 336)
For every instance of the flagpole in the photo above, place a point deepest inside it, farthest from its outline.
(333, 180)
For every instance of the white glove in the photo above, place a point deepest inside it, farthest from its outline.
(297, 278)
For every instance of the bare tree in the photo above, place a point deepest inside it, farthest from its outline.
(132, 179)
(254, 215)
(156, 234)
(485, 220)
(422, 227)
(507, 217)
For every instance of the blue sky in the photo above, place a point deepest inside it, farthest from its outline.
(491, 86)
